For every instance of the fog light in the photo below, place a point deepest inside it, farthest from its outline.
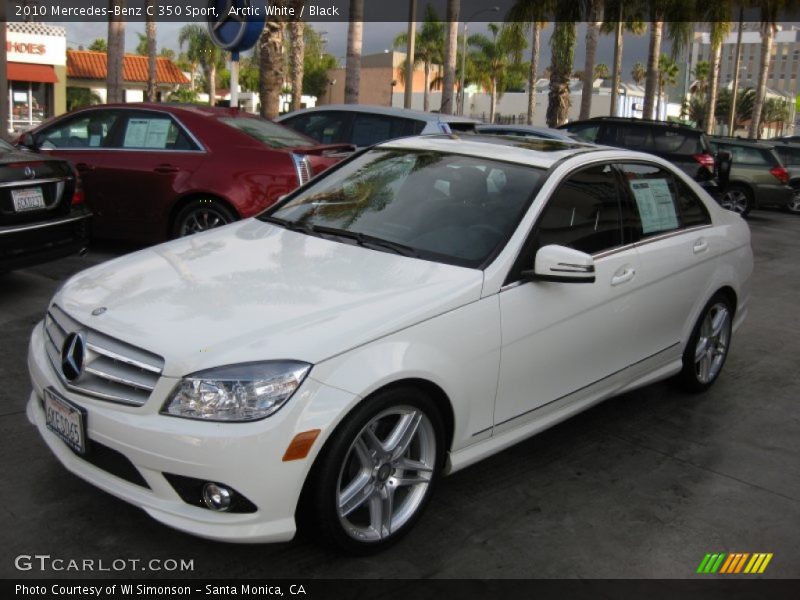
(217, 497)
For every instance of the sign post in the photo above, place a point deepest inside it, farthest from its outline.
(235, 29)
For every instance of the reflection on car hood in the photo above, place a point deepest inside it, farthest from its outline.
(254, 291)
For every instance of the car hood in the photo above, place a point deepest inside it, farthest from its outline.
(254, 291)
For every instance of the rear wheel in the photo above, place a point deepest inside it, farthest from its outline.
(201, 215)
(794, 203)
(739, 199)
(378, 472)
(708, 346)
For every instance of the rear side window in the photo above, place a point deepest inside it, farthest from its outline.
(633, 137)
(327, 127)
(789, 156)
(746, 155)
(373, 129)
(585, 131)
(677, 142)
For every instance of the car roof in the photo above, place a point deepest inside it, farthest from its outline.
(534, 152)
(729, 141)
(557, 133)
(634, 121)
(383, 110)
(174, 107)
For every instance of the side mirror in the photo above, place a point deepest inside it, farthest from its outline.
(563, 265)
(28, 141)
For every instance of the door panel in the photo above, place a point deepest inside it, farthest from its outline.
(559, 338)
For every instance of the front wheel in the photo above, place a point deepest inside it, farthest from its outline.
(201, 215)
(378, 472)
(738, 199)
(708, 345)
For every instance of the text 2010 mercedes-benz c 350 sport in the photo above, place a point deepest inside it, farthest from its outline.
(421, 306)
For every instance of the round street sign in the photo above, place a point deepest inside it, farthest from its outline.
(237, 26)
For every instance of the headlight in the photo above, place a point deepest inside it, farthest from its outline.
(243, 392)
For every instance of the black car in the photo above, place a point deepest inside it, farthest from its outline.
(685, 147)
(42, 214)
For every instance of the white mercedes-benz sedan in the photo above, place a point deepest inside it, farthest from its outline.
(421, 306)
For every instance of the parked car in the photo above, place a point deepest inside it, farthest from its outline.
(758, 177)
(363, 125)
(409, 312)
(685, 147)
(156, 171)
(42, 212)
(791, 139)
(526, 131)
(789, 154)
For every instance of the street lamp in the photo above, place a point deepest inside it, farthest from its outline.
(464, 52)
(331, 83)
(391, 92)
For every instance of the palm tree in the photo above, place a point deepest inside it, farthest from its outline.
(99, 45)
(296, 54)
(701, 72)
(638, 73)
(775, 110)
(428, 49)
(769, 18)
(270, 52)
(494, 60)
(601, 71)
(718, 14)
(150, 36)
(116, 55)
(629, 19)
(530, 15)
(667, 75)
(355, 33)
(200, 50)
(595, 20)
(562, 55)
(450, 56)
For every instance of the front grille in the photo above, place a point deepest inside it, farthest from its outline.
(112, 370)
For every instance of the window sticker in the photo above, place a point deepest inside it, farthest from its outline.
(146, 133)
(656, 208)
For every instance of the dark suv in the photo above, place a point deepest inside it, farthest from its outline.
(758, 177)
(790, 157)
(685, 147)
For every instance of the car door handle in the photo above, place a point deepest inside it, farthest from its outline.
(700, 245)
(84, 167)
(622, 275)
(165, 168)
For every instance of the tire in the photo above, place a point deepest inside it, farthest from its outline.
(708, 345)
(201, 215)
(367, 468)
(794, 204)
(738, 199)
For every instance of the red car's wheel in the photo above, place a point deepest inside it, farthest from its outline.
(200, 215)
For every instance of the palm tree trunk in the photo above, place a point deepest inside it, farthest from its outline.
(355, 32)
(592, 31)
(271, 68)
(115, 56)
(619, 42)
(651, 81)
(493, 101)
(562, 52)
(450, 55)
(537, 32)
(658, 99)
(296, 30)
(767, 36)
(713, 88)
(150, 32)
(212, 84)
(426, 98)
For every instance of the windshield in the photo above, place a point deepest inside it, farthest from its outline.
(450, 208)
(267, 132)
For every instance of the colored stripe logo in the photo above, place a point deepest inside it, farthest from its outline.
(734, 563)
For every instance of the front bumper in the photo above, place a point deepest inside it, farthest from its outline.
(244, 456)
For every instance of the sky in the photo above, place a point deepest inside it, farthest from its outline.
(377, 38)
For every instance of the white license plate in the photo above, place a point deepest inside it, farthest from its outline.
(27, 199)
(66, 420)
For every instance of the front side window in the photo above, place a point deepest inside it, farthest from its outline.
(584, 213)
(327, 127)
(85, 131)
(450, 208)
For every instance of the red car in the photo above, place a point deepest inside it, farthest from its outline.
(157, 171)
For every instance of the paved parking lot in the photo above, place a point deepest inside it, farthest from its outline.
(643, 485)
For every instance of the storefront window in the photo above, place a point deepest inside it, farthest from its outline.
(30, 104)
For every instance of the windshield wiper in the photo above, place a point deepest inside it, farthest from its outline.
(366, 240)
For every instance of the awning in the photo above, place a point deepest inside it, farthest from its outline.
(28, 72)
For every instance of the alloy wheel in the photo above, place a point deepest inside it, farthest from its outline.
(735, 200)
(713, 342)
(794, 203)
(203, 219)
(386, 473)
